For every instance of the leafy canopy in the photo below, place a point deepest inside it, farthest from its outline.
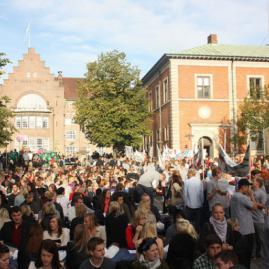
(6, 126)
(112, 108)
(254, 114)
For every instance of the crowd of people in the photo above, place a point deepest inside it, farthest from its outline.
(117, 213)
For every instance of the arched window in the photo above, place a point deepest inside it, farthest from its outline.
(32, 102)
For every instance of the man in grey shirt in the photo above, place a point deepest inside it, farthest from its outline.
(258, 215)
(242, 204)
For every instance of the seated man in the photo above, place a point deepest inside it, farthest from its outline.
(213, 248)
(96, 249)
(227, 259)
(15, 231)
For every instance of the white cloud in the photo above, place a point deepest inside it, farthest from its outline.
(141, 27)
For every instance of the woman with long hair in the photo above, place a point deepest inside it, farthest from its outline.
(92, 228)
(56, 232)
(183, 246)
(116, 223)
(29, 252)
(76, 251)
(48, 257)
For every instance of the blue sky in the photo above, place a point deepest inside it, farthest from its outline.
(70, 33)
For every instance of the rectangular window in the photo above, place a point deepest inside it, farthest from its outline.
(150, 101)
(165, 91)
(157, 97)
(24, 122)
(45, 122)
(203, 87)
(70, 135)
(166, 133)
(18, 122)
(31, 122)
(70, 149)
(255, 87)
(38, 122)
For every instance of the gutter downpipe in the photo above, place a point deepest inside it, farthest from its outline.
(233, 109)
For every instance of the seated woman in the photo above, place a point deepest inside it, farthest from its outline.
(218, 225)
(92, 228)
(55, 232)
(29, 252)
(77, 250)
(4, 257)
(150, 231)
(183, 246)
(116, 223)
(149, 256)
(133, 231)
(48, 256)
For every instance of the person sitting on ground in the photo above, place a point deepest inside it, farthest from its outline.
(149, 256)
(213, 248)
(92, 227)
(56, 232)
(183, 246)
(96, 249)
(116, 223)
(76, 251)
(227, 259)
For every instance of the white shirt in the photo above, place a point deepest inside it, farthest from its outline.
(193, 192)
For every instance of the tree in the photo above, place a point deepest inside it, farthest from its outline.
(254, 115)
(112, 108)
(6, 126)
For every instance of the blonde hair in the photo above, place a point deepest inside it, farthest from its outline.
(149, 230)
(26, 210)
(49, 208)
(184, 226)
(191, 173)
(138, 215)
(115, 207)
(4, 213)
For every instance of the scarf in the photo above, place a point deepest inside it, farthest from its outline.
(148, 264)
(220, 228)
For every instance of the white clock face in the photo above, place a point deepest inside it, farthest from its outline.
(204, 112)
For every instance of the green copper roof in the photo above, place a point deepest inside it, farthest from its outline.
(228, 50)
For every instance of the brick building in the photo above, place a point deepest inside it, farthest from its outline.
(194, 95)
(43, 107)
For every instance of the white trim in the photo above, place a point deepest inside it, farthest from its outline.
(165, 100)
(196, 75)
(157, 101)
(202, 100)
(248, 84)
(175, 110)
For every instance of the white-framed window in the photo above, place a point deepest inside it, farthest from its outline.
(45, 122)
(255, 86)
(32, 122)
(150, 101)
(157, 96)
(157, 136)
(70, 135)
(166, 133)
(204, 86)
(67, 121)
(165, 91)
(70, 149)
(18, 122)
(32, 102)
(24, 121)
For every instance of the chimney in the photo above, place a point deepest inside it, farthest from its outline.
(212, 39)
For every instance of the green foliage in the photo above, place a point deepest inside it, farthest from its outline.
(112, 108)
(6, 126)
(254, 115)
(3, 61)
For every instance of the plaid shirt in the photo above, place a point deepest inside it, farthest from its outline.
(203, 262)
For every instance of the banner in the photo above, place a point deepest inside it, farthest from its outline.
(227, 165)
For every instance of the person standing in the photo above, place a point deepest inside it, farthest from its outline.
(242, 204)
(193, 198)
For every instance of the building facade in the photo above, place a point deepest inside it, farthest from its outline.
(44, 108)
(194, 96)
